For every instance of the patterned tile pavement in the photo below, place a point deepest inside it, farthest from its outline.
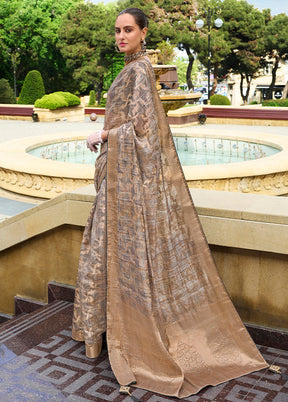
(58, 370)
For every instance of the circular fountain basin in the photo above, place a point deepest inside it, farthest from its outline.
(24, 173)
(191, 151)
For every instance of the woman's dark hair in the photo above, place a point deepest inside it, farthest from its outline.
(140, 18)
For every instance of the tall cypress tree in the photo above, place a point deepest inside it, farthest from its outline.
(33, 88)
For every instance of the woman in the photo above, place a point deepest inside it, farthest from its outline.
(171, 327)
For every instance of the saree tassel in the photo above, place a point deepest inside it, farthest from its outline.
(124, 390)
(278, 370)
(275, 369)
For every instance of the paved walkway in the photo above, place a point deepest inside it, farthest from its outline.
(10, 129)
(40, 362)
(11, 204)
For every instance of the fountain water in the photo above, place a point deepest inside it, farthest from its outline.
(192, 151)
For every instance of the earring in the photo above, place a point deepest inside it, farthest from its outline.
(117, 48)
(143, 45)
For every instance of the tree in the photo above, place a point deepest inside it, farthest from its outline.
(6, 92)
(276, 45)
(177, 23)
(86, 41)
(181, 64)
(33, 88)
(245, 40)
(32, 26)
(167, 52)
(116, 64)
(219, 46)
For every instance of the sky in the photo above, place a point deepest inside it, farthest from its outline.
(276, 6)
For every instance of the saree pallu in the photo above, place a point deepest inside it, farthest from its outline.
(171, 327)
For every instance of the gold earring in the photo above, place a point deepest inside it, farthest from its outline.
(117, 48)
(143, 45)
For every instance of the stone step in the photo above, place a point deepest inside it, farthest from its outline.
(12, 321)
(56, 291)
(24, 305)
(59, 291)
(23, 332)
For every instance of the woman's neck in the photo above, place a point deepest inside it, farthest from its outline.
(134, 56)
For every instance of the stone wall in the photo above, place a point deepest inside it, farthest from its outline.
(248, 236)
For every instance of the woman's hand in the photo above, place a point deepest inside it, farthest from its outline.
(95, 139)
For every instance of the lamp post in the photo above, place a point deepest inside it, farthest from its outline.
(218, 23)
(14, 55)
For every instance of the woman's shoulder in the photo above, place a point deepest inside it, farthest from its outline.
(143, 64)
(140, 70)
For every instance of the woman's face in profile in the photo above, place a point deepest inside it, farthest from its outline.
(128, 34)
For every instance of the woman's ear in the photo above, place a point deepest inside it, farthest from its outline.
(144, 32)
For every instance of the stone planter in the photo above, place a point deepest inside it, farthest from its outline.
(72, 113)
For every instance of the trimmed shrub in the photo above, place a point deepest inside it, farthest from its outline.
(276, 103)
(6, 92)
(71, 99)
(51, 101)
(32, 89)
(92, 98)
(219, 100)
(56, 100)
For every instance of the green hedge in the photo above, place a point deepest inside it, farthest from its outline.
(71, 99)
(6, 92)
(32, 89)
(276, 102)
(219, 100)
(57, 100)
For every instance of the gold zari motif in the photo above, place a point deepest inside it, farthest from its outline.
(171, 327)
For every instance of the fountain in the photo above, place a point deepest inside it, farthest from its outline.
(171, 98)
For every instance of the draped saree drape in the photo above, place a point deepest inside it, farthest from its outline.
(146, 275)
